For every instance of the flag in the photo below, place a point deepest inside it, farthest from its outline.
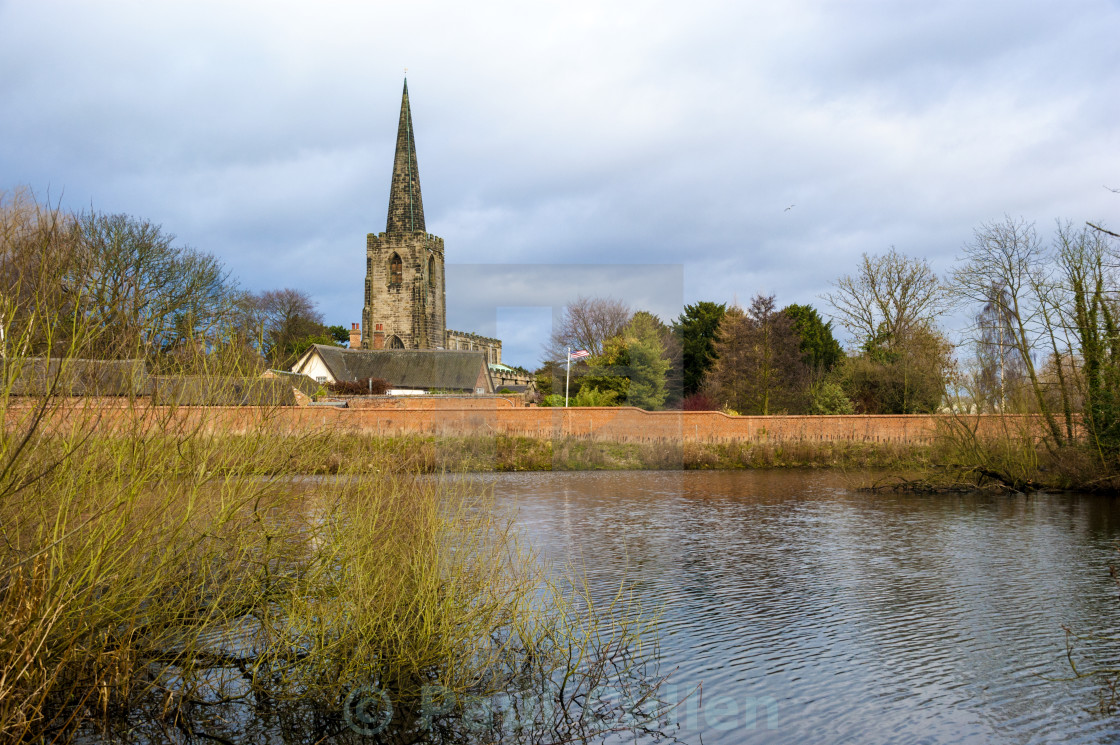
(579, 354)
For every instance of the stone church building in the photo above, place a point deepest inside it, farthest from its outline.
(405, 300)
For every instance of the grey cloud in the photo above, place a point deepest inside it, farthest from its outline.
(630, 133)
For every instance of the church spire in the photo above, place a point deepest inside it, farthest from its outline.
(406, 208)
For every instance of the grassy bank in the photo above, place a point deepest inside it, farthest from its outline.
(264, 454)
(505, 453)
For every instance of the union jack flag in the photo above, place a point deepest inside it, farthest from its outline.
(578, 354)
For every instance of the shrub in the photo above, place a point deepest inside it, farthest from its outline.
(592, 396)
(369, 386)
(699, 402)
(829, 398)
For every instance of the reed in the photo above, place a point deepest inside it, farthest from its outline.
(267, 453)
(163, 584)
(264, 453)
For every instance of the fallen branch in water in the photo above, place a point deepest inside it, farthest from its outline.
(956, 483)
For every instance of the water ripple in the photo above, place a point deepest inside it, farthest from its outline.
(812, 613)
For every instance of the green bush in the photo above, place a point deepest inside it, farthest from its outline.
(829, 398)
(592, 396)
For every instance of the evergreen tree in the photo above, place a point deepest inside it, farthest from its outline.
(608, 372)
(821, 350)
(697, 328)
(340, 334)
(647, 365)
(633, 365)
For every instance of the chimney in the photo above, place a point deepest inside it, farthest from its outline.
(379, 336)
(355, 336)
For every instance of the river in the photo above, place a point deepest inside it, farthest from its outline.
(814, 613)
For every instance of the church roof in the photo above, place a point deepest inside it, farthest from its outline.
(438, 369)
(406, 207)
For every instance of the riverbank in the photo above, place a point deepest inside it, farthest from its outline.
(1010, 450)
(340, 453)
(502, 453)
(939, 466)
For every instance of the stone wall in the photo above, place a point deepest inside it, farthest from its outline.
(470, 341)
(411, 306)
(504, 378)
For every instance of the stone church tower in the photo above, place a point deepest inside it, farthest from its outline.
(405, 307)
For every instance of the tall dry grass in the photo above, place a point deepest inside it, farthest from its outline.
(156, 608)
(148, 597)
(323, 452)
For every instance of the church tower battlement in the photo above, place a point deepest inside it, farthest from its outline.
(405, 303)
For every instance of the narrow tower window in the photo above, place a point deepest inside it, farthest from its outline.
(369, 271)
(432, 272)
(396, 270)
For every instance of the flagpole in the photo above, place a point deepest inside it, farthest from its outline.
(567, 377)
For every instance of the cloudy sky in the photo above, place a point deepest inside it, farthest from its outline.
(660, 152)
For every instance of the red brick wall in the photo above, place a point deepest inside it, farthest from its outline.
(621, 424)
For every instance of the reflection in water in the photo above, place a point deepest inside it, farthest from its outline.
(812, 613)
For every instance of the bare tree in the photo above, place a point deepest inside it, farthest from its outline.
(146, 294)
(1007, 269)
(999, 370)
(586, 323)
(888, 298)
(37, 248)
(287, 318)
